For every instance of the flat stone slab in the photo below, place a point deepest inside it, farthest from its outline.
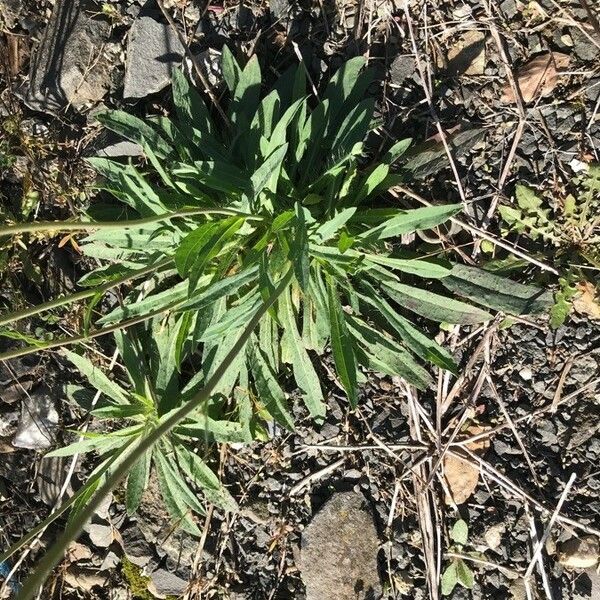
(339, 549)
(153, 51)
(72, 64)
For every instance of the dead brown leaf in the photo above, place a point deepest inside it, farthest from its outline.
(588, 302)
(537, 78)
(462, 478)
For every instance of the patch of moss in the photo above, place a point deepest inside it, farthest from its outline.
(138, 584)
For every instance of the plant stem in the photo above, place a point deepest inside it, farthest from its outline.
(85, 225)
(34, 310)
(66, 341)
(55, 553)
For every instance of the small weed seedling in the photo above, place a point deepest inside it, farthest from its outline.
(572, 230)
(457, 572)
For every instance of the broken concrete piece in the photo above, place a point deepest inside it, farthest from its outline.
(339, 551)
(71, 65)
(153, 51)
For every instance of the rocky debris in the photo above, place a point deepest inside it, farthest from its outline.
(100, 535)
(120, 148)
(51, 475)
(280, 9)
(153, 51)
(526, 374)
(402, 69)
(595, 584)
(583, 46)
(73, 63)
(83, 578)
(163, 583)
(338, 559)
(111, 560)
(39, 421)
(8, 423)
(580, 553)
(209, 63)
(493, 535)
(136, 548)
(10, 10)
(467, 55)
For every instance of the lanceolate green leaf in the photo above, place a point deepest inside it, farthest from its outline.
(341, 345)
(268, 170)
(203, 477)
(269, 392)
(497, 292)
(190, 107)
(134, 129)
(415, 340)
(304, 372)
(412, 220)
(175, 494)
(137, 481)
(97, 378)
(207, 296)
(433, 306)
(397, 150)
(299, 248)
(383, 355)
(421, 268)
(330, 228)
(165, 300)
(230, 68)
(198, 246)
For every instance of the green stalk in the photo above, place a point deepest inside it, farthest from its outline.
(56, 552)
(34, 310)
(40, 226)
(66, 341)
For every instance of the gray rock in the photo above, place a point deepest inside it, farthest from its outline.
(111, 560)
(583, 47)
(595, 579)
(164, 583)
(509, 8)
(10, 10)
(403, 68)
(73, 64)
(153, 51)
(209, 62)
(8, 424)
(467, 55)
(338, 558)
(51, 474)
(156, 525)
(280, 9)
(100, 535)
(122, 148)
(39, 421)
(135, 546)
